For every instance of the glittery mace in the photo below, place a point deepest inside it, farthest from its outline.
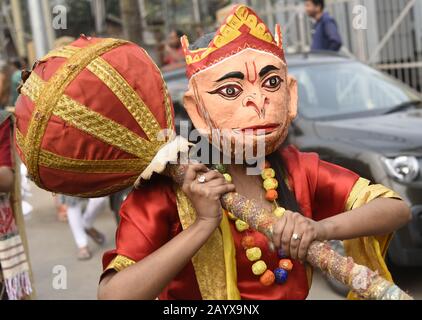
(360, 279)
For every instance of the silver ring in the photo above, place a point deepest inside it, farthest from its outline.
(201, 178)
(295, 236)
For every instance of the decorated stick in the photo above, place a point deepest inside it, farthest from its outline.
(360, 279)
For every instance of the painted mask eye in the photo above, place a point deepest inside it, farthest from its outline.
(230, 91)
(273, 83)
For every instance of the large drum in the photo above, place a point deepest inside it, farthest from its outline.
(89, 117)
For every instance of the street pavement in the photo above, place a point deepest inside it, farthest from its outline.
(59, 275)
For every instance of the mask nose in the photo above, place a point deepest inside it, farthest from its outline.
(256, 100)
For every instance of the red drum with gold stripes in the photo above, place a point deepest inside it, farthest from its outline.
(89, 117)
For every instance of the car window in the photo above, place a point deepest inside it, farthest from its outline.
(346, 88)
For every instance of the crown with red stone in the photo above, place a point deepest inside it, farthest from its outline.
(241, 30)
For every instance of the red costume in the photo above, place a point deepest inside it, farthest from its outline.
(243, 51)
(109, 99)
(149, 219)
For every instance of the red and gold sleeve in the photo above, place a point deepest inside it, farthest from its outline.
(148, 219)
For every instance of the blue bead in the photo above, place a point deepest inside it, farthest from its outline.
(280, 275)
(281, 254)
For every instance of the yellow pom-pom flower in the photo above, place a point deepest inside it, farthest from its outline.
(270, 184)
(279, 212)
(268, 173)
(259, 267)
(228, 177)
(253, 254)
(241, 225)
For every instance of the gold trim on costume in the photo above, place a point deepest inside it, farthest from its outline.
(52, 160)
(77, 165)
(209, 262)
(119, 86)
(62, 52)
(106, 191)
(52, 93)
(20, 140)
(167, 101)
(119, 263)
(123, 91)
(33, 87)
(127, 95)
(229, 32)
(229, 250)
(79, 116)
(103, 128)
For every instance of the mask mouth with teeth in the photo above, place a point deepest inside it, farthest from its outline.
(240, 94)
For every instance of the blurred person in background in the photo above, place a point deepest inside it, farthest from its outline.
(81, 222)
(325, 35)
(16, 67)
(15, 283)
(173, 51)
(4, 84)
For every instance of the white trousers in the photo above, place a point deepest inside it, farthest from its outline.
(80, 220)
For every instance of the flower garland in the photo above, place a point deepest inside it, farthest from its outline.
(253, 253)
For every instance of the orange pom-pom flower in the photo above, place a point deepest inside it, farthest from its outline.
(271, 195)
(267, 278)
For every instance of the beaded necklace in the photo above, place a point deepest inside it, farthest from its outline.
(253, 253)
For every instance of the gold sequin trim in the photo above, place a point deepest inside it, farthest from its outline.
(33, 87)
(127, 95)
(52, 160)
(89, 121)
(107, 191)
(167, 100)
(20, 140)
(119, 263)
(104, 129)
(62, 52)
(208, 262)
(124, 92)
(52, 93)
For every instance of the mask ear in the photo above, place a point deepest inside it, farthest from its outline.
(192, 109)
(292, 91)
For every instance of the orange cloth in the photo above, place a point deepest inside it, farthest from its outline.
(149, 219)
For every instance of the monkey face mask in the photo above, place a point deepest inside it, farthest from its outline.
(240, 94)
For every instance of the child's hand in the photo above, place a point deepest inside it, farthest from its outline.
(294, 233)
(204, 188)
